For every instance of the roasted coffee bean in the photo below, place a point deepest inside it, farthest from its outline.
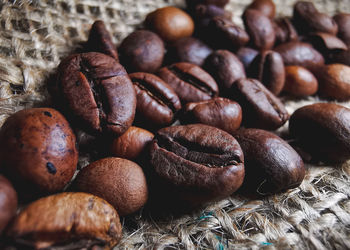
(285, 31)
(225, 67)
(37, 151)
(271, 164)
(98, 91)
(8, 202)
(246, 56)
(132, 143)
(198, 163)
(193, 3)
(100, 40)
(190, 82)
(218, 112)
(326, 43)
(342, 57)
(343, 22)
(170, 23)
(300, 54)
(300, 82)
(188, 49)
(334, 82)
(67, 221)
(202, 15)
(260, 29)
(308, 19)
(261, 109)
(266, 7)
(268, 68)
(142, 51)
(119, 181)
(157, 102)
(323, 129)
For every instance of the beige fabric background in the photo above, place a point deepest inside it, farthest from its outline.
(36, 35)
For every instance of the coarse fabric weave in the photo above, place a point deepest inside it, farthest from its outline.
(36, 35)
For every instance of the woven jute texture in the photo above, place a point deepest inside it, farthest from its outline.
(36, 35)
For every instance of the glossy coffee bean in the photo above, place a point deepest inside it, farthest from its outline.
(225, 67)
(67, 221)
(198, 163)
(188, 49)
(323, 129)
(142, 51)
(266, 7)
(218, 112)
(300, 82)
(190, 82)
(192, 3)
(308, 19)
(246, 55)
(8, 202)
(98, 92)
(285, 31)
(343, 22)
(101, 41)
(334, 82)
(260, 29)
(119, 181)
(202, 15)
(300, 54)
(268, 68)
(326, 43)
(261, 109)
(170, 23)
(271, 164)
(38, 151)
(157, 102)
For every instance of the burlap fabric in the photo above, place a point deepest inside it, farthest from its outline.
(36, 35)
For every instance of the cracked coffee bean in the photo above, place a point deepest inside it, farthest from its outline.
(300, 82)
(266, 7)
(190, 82)
(98, 91)
(8, 202)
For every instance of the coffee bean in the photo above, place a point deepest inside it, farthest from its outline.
(266, 7)
(157, 102)
(198, 163)
(343, 22)
(202, 15)
(105, 99)
(218, 112)
(308, 19)
(170, 23)
(285, 31)
(261, 109)
(271, 164)
(82, 220)
(268, 68)
(323, 129)
(193, 3)
(142, 51)
(246, 55)
(300, 82)
(100, 40)
(190, 82)
(8, 202)
(260, 29)
(326, 43)
(334, 82)
(225, 67)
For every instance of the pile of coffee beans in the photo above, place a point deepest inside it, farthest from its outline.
(186, 109)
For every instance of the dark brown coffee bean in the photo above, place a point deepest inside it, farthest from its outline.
(285, 31)
(218, 112)
(98, 92)
(343, 21)
(188, 49)
(300, 82)
(100, 40)
(37, 151)
(342, 57)
(225, 67)
(268, 68)
(193, 3)
(8, 202)
(326, 43)
(190, 82)
(261, 109)
(198, 162)
(266, 7)
(202, 15)
(271, 164)
(323, 129)
(260, 29)
(170, 23)
(334, 82)
(142, 51)
(300, 54)
(246, 56)
(307, 19)
(157, 102)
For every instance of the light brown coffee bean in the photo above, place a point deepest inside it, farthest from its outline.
(300, 82)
